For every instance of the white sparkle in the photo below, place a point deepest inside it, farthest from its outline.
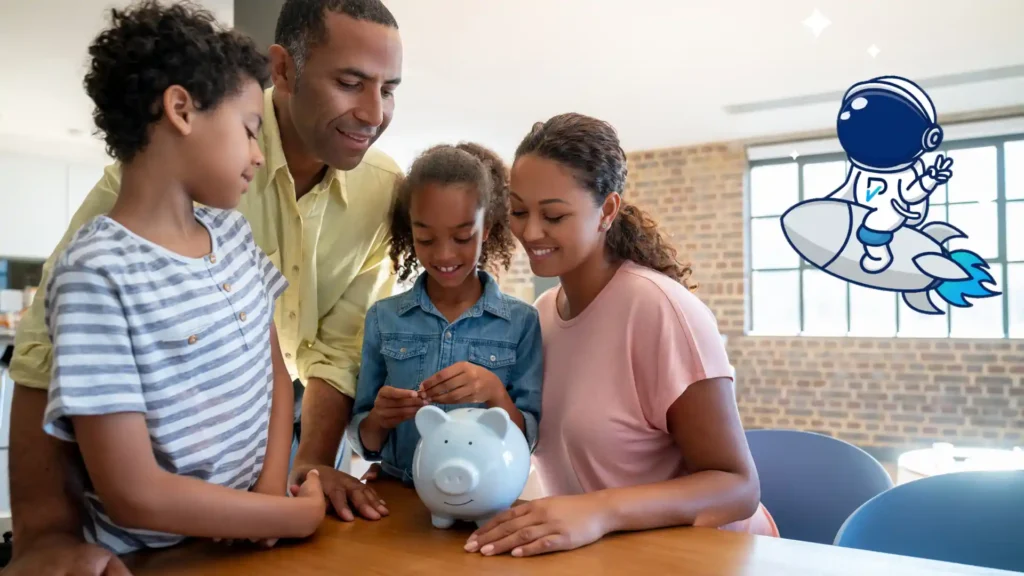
(794, 155)
(817, 22)
(873, 51)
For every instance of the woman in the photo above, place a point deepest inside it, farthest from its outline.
(640, 426)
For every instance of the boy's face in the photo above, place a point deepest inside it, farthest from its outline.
(448, 231)
(221, 152)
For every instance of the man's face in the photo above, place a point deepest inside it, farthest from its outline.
(344, 97)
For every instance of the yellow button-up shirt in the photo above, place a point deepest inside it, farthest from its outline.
(331, 245)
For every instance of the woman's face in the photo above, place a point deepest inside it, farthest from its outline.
(553, 216)
(448, 231)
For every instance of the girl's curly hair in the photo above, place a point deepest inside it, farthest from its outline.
(590, 147)
(466, 163)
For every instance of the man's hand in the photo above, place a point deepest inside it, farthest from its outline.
(65, 556)
(344, 492)
(463, 383)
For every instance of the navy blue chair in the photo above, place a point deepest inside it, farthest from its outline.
(974, 518)
(811, 483)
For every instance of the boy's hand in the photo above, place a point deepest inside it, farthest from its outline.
(394, 406)
(463, 383)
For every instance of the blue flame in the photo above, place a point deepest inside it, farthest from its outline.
(954, 291)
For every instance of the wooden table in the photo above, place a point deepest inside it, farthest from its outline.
(406, 543)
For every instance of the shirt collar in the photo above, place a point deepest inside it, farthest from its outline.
(273, 150)
(491, 301)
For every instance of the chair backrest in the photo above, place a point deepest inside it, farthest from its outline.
(974, 518)
(811, 483)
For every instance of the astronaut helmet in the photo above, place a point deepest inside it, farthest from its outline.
(886, 123)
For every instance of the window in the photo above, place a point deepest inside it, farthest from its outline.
(984, 198)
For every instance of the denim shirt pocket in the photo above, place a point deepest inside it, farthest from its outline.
(496, 358)
(405, 359)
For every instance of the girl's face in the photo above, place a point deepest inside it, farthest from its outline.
(222, 150)
(448, 231)
(553, 217)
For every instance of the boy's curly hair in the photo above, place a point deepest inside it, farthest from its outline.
(465, 163)
(150, 47)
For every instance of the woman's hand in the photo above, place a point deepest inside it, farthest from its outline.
(463, 383)
(544, 525)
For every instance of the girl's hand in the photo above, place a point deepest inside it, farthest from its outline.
(463, 383)
(311, 493)
(394, 406)
(542, 526)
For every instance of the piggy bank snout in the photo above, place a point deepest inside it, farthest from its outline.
(456, 477)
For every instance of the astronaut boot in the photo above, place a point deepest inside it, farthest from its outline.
(876, 259)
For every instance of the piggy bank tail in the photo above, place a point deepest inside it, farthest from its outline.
(956, 292)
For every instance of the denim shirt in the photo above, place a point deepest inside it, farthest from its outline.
(407, 340)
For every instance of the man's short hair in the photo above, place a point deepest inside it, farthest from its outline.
(302, 23)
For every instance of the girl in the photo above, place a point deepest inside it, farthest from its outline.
(644, 432)
(167, 370)
(454, 339)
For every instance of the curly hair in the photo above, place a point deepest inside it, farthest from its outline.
(591, 149)
(150, 47)
(466, 163)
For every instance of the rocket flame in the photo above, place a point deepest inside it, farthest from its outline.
(954, 291)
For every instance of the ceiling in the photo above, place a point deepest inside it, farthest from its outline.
(664, 72)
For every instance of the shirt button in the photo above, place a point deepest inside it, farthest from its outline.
(448, 335)
(295, 269)
(227, 287)
(241, 316)
(193, 339)
(213, 258)
(402, 350)
(494, 358)
(291, 315)
(288, 355)
(309, 344)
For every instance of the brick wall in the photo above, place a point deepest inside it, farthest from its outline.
(884, 394)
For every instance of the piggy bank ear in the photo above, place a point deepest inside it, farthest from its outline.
(429, 418)
(496, 420)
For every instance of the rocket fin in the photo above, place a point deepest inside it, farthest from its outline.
(942, 232)
(921, 302)
(940, 267)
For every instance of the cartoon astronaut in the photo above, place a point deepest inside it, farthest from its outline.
(885, 125)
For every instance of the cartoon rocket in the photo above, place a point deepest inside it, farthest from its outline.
(823, 232)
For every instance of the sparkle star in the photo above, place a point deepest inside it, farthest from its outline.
(794, 155)
(873, 51)
(817, 22)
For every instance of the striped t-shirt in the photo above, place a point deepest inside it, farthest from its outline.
(185, 341)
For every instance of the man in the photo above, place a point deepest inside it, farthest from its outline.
(318, 207)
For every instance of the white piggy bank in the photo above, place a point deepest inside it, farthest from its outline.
(469, 464)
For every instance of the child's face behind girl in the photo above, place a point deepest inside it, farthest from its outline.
(219, 146)
(449, 229)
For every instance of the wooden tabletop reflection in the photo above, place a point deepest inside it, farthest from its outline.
(406, 543)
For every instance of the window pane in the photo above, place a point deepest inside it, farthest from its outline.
(773, 189)
(768, 245)
(872, 312)
(776, 300)
(1015, 290)
(822, 178)
(914, 324)
(1013, 160)
(980, 223)
(974, 174)
(1014, 233)
(984, 319)
(938, 196)
(824, 304)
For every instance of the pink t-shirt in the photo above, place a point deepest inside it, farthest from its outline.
(610, 376)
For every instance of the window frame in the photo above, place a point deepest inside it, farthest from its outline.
(1002, 257)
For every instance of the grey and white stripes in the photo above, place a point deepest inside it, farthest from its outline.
(186, 341)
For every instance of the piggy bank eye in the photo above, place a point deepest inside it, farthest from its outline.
(445, 441)
(470, 443)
